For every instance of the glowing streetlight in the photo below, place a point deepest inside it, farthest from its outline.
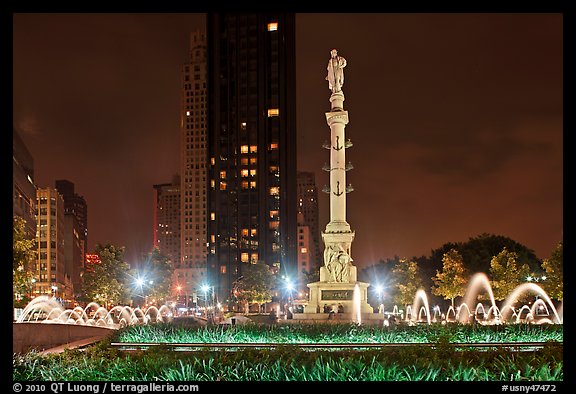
(205, 289)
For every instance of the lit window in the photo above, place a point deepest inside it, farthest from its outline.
(212, 161)
(223, 185)
(245, 232)
(252, 184)
(253, 232)
(244, 161)
(212, 216)
(244, 149)
(275, 191)
(243, 125)
(244, 184)
(273, 112)
(187, 113)
(212, 238)
(212, 183)
(253, 160)
(252, 172)
(303, 250)
(244, 257)
(222, 269)
(272, 26)
(273, 146)
(244, 173)
(273, 214)
(223, 174)
(254, 258)
(274, 225)
(253, 148)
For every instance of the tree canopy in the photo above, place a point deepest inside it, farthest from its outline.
(107, 282)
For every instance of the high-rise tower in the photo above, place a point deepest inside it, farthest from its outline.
(190, 270)
(252, 145)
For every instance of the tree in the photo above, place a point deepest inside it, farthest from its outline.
(158, 270)
(256, 285)
(505, 273)
(107, 282)
(477, 252)
(407, 281)
(553, 267)
(22, 258)
(452, 281)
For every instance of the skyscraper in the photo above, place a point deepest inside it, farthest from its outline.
(190, 270)
(167, 219)
(75, 232)
(50, 270)
(252, 145)
(23, 187)
(307, 194)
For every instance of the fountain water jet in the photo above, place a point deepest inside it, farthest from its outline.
(420, 297)
(478, 282)
(524, 287)
(356, 309)
(44, 309)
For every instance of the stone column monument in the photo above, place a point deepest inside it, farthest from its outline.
(338, 275)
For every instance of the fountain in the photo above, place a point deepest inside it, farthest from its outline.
(356, 306)
(521, 289)
(466, 313)
(45, 309)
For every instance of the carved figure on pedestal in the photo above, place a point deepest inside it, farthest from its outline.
(337, 263)
(335, 75)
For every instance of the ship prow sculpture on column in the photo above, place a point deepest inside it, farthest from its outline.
(338, 275)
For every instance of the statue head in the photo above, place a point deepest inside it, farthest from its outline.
(334, 52)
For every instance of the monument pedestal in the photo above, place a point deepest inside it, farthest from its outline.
(337, 293)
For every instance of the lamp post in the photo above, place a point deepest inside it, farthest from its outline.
(379, 290)
(205, 289)
(32, 283)
(289, 287)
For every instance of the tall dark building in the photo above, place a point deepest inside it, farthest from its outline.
(307, 194)
(167, 219)
(251, 146)
(75, 232)
(23, 187)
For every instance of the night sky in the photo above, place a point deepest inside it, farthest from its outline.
(456, 121)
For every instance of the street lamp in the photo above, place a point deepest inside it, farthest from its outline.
(379, 290)
(205, 289)
(289, 287)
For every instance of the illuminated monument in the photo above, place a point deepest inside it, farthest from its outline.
(338, 277)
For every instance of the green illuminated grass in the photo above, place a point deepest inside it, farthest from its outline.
(288, 362)
(340, 333)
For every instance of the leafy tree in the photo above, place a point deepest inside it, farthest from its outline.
(158, 268)
(407, 282)
(22, 259)
(107, 283)
(553, 267)
(477, 252)
(256, 285)
(452, 281)
(505, 273)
